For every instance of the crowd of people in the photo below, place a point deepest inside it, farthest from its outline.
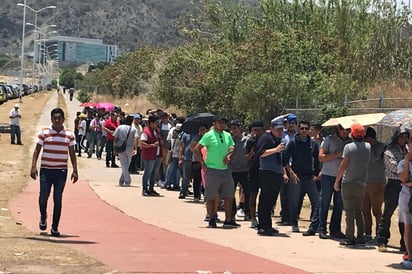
(349, 169)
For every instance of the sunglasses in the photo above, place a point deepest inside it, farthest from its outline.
(304, 128)
(221, 138)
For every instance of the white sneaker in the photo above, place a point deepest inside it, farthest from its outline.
(240, 213)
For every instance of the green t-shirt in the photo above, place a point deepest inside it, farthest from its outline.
(217, 146)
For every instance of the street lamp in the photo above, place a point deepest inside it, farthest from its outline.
(35, 25)
(22, 52)
(35, 31)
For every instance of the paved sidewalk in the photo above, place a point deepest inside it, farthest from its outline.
(131, 233)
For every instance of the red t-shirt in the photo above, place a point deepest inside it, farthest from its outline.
(112, 126)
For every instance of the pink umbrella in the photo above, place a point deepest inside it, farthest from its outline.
(87, 104)
(106, 105)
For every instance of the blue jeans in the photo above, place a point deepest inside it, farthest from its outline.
(15, 134)
(186, 175)
(151, 167)
(95, 143)
(298, 192)
(172, 173)
(109, 152)
(326, 193)
(57, 179)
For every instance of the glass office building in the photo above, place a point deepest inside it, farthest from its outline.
(83, 50)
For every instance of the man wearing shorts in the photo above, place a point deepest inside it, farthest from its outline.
(219, 182)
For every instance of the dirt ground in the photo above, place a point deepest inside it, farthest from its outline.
(23, 251)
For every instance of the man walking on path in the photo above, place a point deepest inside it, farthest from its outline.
(15, 132)
(57, 142)
(129, 134)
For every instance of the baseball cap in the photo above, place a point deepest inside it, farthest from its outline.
(277, 122)
(292, 118)
(256, 124)
(370, 132)
(82, 115)
(235, 122)
(357, 130)
(137, 116)
(219, 117)
(16, 105)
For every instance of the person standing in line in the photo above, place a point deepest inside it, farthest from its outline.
(173, 172)
(109, 127)
(151, 155)
(256, 130)
(240, 166)
(285, 189)
(375, 187)
(330, 154)
(76, 130)
(82, 134)
(219, 146)
(405, 204)
(196, 168)
(126, 132)
(15, 132)
(302, 163)
(96, 129)
(394, 153)
(185, 162)
(135, 162)
(271, 174)
(57, 143)
(164, 127)
(353, 171)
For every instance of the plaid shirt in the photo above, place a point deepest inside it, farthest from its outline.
(392, 156)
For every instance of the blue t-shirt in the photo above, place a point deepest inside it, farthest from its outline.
(272, 162)
(185, 139)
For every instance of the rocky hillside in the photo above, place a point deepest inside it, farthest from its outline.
(129, 24)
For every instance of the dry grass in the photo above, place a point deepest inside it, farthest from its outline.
(138, 104)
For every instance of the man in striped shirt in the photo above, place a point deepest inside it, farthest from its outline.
(57, 142)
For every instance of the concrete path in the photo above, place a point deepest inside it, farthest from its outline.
(131, 233)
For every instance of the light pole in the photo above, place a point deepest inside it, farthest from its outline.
(35, 26)
(43, 44)
(22, 52)
(46, 54)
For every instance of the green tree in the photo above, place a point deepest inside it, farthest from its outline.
(69, 77)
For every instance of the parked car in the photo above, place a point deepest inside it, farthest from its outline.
(3, 94)
(27, 90)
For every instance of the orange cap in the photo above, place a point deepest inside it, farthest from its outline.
(357, 130)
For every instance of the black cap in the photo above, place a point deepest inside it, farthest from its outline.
(219, 117)
(370, 132)
(256, 123)
(235, 122)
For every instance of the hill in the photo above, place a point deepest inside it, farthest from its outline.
(128, 24)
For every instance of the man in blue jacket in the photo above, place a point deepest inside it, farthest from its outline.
(303, 152)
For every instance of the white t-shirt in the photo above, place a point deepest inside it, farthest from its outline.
(82, 128)
(13, 113)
